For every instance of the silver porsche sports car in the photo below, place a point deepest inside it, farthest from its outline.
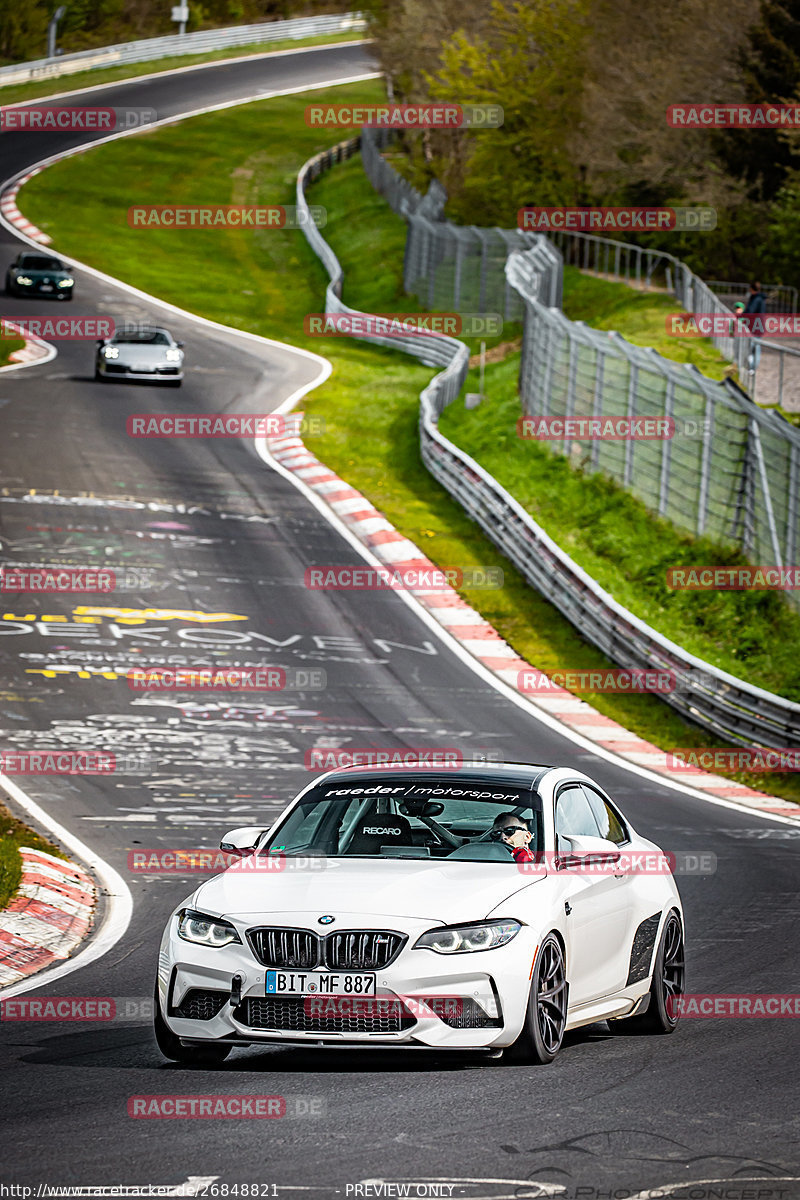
(142, 354)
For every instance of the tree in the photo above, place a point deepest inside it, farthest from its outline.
(770, 66)
(525, 56)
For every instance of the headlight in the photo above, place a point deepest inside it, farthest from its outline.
(205, 931)
(173, 355)
(66, 282)
(462, 939)
(25, 280)
(110, 352)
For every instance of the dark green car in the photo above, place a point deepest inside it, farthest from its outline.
(37, 274)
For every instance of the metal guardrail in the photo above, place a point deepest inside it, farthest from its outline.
(706, 695)
(200, 42)
(453, 267)
(449, 266)
(646, 268)
(732, 470)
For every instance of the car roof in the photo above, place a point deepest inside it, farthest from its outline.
(523, 775)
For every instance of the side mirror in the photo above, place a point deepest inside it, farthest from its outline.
(101, 341)
(241, 841)
(180, 345)
(580, 849)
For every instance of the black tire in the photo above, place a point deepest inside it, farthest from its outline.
(9, 288)
(667, 986)
(175, 382)
(173, 1048)
(546, 1018)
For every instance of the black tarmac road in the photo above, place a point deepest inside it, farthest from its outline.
(204, 527)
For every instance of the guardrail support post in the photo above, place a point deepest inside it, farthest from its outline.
(705, 465)
(666, 453)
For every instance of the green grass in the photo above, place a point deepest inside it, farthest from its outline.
(627, 550)
(371, 401)
(7, 347)
(14, 93)
(638, 316)
(14, 834)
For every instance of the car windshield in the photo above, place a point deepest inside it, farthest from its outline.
(37, 262)
(143, 337)
(409, 818)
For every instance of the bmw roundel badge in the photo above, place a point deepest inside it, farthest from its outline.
(326, 920)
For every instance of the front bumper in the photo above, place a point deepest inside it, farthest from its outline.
(478, 1000)
(39, 289)
(111, 369)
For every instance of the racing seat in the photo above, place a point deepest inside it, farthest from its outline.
(381, 829)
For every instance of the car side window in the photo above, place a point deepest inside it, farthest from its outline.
(574, 814)
(611, 827)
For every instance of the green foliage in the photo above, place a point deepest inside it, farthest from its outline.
(585, 85)
(14, 834)
(530, 61)
(88, 23)
(770, 65)
(783, 246)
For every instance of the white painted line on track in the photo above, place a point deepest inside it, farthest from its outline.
(118, 898)
(170, 71)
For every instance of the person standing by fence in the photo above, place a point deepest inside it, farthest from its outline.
(756, 304)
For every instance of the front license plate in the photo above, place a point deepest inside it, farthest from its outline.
(319, 983)
(46, 287)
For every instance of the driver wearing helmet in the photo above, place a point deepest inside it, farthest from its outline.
(512, 831)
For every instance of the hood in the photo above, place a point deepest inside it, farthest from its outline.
(145, 356)
(435, 891)
(41, 273)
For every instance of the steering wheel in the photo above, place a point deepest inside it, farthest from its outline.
(434, 826)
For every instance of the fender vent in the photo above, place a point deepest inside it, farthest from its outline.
(642, 949)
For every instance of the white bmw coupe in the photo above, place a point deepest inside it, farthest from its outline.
(481, 908)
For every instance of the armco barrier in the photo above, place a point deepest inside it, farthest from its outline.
(733, 474)
(706, 695)
(453, 267)
(201, 42)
